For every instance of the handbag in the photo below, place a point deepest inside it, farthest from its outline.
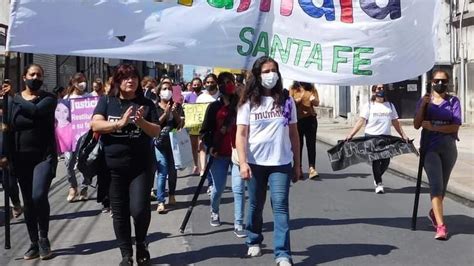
(89, 154)
(181, 148)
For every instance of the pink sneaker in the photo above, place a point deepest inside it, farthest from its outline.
(432, 218)
(441, 232)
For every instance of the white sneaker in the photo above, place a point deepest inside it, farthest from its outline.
(254, 251)
(284, 263)
(379, 188)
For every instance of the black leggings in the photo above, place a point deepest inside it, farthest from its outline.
(378, 168)
(130, 195)
(307, 127)
(35, 176)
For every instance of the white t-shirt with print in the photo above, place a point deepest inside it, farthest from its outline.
(379, 116)
(269, 139)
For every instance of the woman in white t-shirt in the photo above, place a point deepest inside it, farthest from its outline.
(267, 143)
(378, 116)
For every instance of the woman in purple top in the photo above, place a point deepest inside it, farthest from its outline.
(440, 115)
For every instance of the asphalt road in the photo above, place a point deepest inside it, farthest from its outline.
(336, 219)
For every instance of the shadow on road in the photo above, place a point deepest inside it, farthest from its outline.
(457, 224)
(100, 246)
(326, 253)
(341, 176)
(75, 215)
(195, 256)
(404, 190)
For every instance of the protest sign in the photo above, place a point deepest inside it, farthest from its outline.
(73, 118)
(367, 149)
(349, 42)
(194, 116)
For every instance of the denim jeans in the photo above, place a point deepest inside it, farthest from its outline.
(165, 167)
(278, 177)
(238, 188)
(219, 170)
(70, 160)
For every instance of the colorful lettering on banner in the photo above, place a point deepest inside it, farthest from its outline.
(194, 116)
(348, 42)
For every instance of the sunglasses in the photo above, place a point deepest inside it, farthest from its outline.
(443, 81)
(379, 88)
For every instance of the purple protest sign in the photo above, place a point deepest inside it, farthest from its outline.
(81, 115)
(72, 121)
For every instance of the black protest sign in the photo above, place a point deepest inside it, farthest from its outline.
(367, 149)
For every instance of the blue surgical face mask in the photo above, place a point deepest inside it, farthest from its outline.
(380, 94)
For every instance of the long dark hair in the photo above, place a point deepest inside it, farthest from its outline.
(254, 89)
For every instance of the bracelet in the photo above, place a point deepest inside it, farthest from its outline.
(116, 125)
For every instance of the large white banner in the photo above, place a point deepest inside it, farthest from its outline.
(326, 41)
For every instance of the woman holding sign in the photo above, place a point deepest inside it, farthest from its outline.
(127, 122)
(267, 144)
(439, 114)
(378, 116)
(34, 156)
(76, 89)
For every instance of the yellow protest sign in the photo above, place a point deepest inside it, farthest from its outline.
(194, 116)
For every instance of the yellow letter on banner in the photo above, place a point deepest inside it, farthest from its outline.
(194, 116)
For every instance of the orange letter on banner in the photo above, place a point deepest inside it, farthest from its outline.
(185, 2)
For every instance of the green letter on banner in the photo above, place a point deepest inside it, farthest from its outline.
(337, 59)
(262, 44)
(359, 62)
(247, 41)
(316, 57)
(301, 44)
(277, 45)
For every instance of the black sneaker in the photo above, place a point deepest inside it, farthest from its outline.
(143, 255)
(44, 249)
(215, 221)
(32, 252)
(239, 231)
(126, 261)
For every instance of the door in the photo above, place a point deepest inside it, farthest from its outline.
(344, 100)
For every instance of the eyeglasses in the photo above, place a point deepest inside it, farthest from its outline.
(443, 81)
(379, 88)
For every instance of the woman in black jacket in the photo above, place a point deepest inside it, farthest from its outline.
(33, 155)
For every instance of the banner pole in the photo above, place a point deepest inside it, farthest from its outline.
(6, 173)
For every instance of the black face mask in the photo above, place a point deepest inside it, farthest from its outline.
(197, 89)
(440, 88)
(34, 84)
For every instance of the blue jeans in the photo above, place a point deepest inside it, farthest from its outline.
(238, 188)
(219, 170)
(278, 177)
(165, 167)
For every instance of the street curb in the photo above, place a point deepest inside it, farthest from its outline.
(453, 191)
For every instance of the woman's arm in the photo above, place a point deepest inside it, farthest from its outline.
(241, 143)
(420, 114)
(102, 126)
(356, 128)
(315, 98)
(447, 129)
(399, 129)
(295, 148)
(151, 129)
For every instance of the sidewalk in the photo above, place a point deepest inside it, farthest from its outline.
(460, 184)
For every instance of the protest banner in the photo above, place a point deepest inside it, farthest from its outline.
(367, 149)
(194, 116)
(73, 118)
(350, 42)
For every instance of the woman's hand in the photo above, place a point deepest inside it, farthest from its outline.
(168, 109)
(297, 173)
(125, 117)
(348, 137)
(6, 88)
(213, 152)
(3, 162)
(426, 99)
(245, 171)
(138, 119)
(427, 125)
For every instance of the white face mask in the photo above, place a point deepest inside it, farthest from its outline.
(82, 86)
(166, 94)
(269, 80)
